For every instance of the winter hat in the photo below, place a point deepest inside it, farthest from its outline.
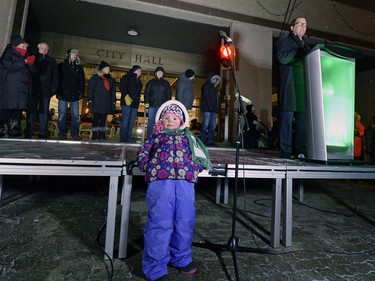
(189, 73)
(74, 51)
(69, 51)
(16, 39)
(103, 64)
(176, 108)
(135, 68)
(215, 80)
(159, 68)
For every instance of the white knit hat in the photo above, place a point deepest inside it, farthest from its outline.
(175, 107)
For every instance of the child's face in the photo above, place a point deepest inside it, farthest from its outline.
(170, 121)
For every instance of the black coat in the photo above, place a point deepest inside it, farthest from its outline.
(210, 98)
(15, 80)
(185, 91)
(289, 52)
(45, 79)
(71, 81)
(100, 99)
(157, 92)
(131, 85)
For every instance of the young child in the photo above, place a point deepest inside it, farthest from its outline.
(172, 158)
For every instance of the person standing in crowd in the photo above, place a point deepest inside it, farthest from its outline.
(71, 90)
(45, 84)
(289, 52)
(210, 106)
(185, 89)
(101, 99)
(130, 87)
(15, 85)
(359, 133)
(251, 134)
(172, 158)
(157, 92)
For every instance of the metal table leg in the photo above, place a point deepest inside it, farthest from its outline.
(276, 214)
(287, 212)
(111, 216)
(125, 210)
(218, 190)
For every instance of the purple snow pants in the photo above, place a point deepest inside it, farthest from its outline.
(168, 233)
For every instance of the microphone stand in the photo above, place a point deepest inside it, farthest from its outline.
(233, 242)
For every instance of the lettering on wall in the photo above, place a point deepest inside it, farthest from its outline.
(148, 59)
(110, 54)
(122, 55)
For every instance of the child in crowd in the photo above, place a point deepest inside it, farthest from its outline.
(172, 158)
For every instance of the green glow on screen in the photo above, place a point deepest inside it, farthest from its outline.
(338, 81)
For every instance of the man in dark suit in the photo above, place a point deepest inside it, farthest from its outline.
(289, 53)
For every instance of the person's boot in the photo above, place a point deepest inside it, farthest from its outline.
(101, 136)
(4, 130)
(14, 128)
(94, 135)
(102, 133)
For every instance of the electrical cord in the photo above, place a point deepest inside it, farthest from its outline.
(354, 192)
(284, 21)
(270, 252)
(328, 252)
(276, 14)
(350, 25)
(100, 246)
(327, 211)
(245, 204)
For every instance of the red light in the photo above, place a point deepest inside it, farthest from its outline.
(226, 52)
(226, 56)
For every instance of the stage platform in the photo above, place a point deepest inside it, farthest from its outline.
(115, 160)
(66, 158)
(257, 164)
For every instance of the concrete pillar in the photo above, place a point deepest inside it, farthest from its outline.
(13, 17)
(254, 54)
(7, 12)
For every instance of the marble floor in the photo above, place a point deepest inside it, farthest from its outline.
(51, 229)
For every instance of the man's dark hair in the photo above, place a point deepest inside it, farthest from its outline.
(293, 22)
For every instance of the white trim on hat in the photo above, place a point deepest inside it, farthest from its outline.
(183, 108)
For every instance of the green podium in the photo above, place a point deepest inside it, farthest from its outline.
(329, 101)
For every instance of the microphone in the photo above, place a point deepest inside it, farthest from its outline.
(244, 99)
(222, 34)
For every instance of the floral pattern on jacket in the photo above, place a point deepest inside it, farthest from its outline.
(167, 156)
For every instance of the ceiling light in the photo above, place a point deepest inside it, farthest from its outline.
(132, 32)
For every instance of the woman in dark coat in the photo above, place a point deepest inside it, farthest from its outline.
(101, 99)
(16, 85)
